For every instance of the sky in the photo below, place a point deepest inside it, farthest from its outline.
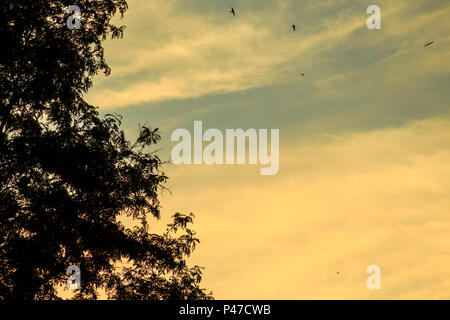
(364, 175)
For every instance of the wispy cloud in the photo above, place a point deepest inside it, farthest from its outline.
(168, 53)
(208, 54)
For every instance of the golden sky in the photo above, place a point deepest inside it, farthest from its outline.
(364, 173)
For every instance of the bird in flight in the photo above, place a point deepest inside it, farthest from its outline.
(232, 11)
(302, 74)
(429, 43)
(293, 27)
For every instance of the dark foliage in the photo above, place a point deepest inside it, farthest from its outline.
(67, 175)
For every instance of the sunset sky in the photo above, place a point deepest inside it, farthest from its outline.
(364, 174)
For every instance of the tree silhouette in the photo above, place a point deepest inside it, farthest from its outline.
(67, 175)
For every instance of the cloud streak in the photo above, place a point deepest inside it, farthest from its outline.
(218, 54)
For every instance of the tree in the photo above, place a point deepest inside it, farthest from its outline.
(67, 175)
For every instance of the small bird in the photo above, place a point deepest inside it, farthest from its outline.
(293, 27)
(232, 11)
(429, 43)
(302, 74)
(337, 272)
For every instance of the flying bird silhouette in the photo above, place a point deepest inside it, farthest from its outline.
(429, 43)
(293, 27)
(232, 11)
